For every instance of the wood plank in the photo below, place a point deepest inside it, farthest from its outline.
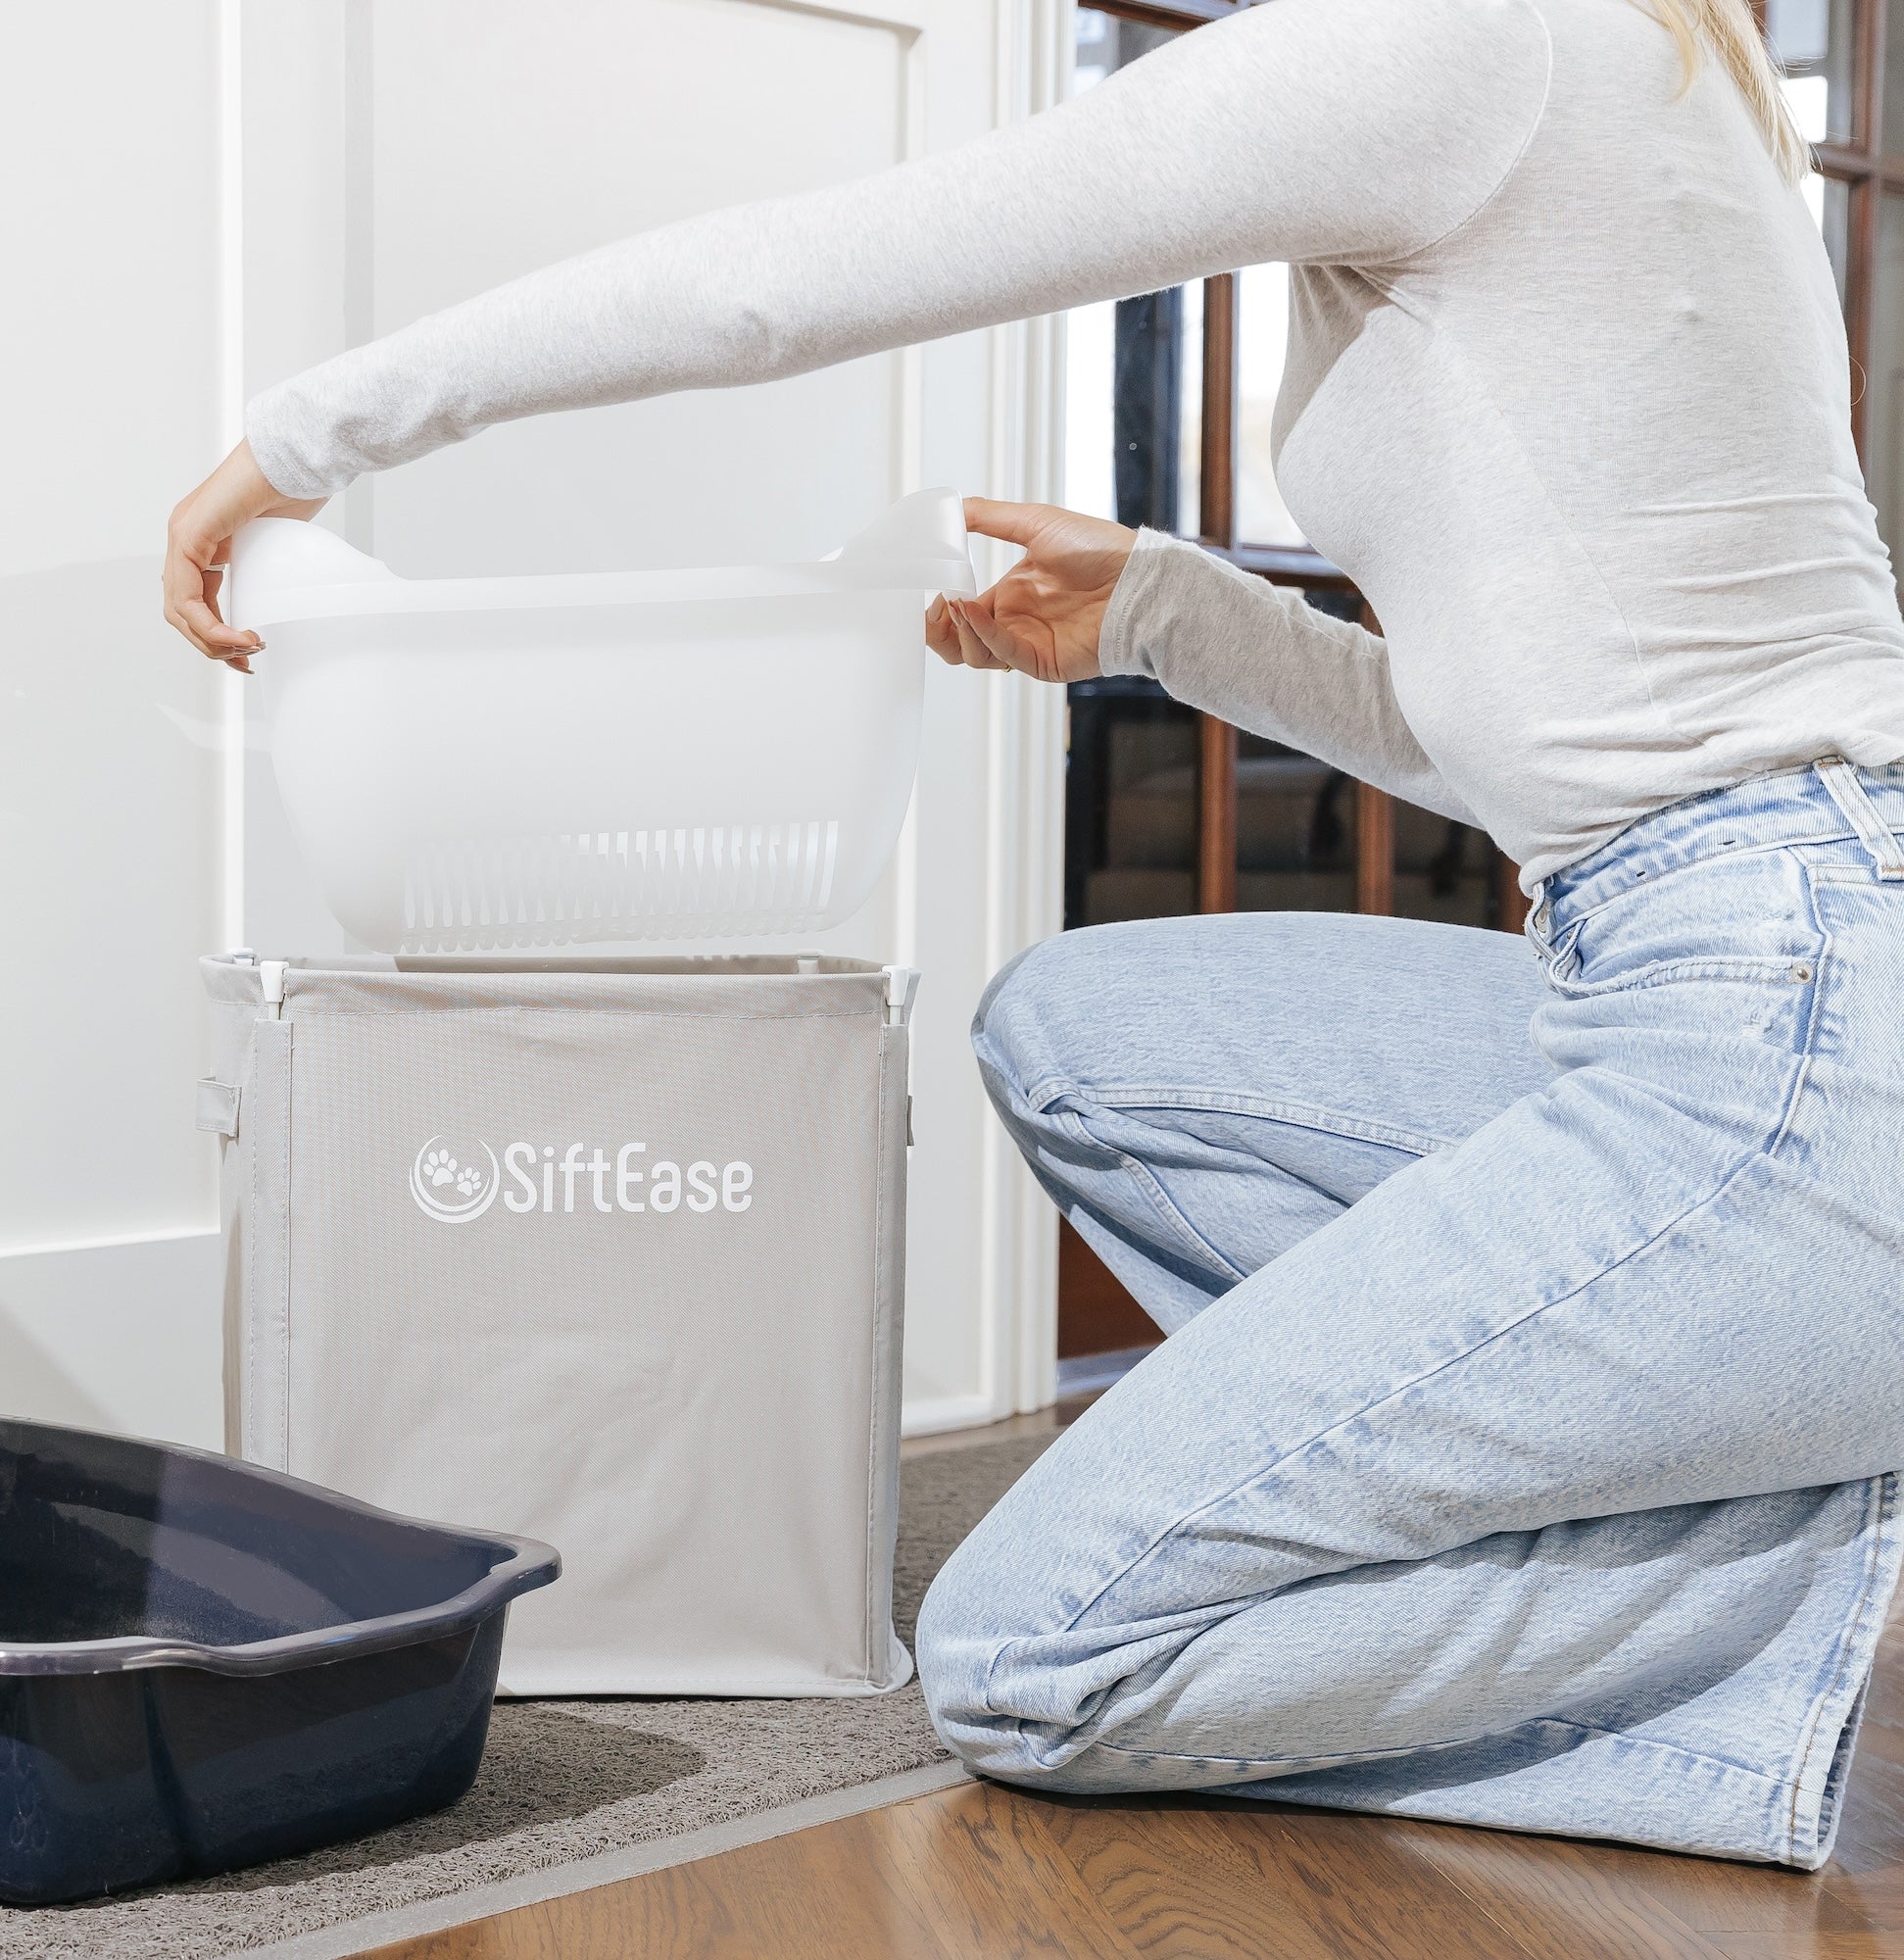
(1375, 850)
(1559, 1894)
(1216, 815)
(793, 1898)
(986, 1872)
(1216, 518)
(968, 1871)
(1813, 1947)
(1711, 1898)
(1158, 1885)
(1173, 13)
(1721, 1900)
(1097, 1313)
(1262, 1882)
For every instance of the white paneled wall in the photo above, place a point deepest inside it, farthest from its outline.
(257, 186)
(111, 853)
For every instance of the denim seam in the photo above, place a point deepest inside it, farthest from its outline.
(1742, 969)
(1758, 848)
(1849, 1645)
(1121, 1097)
(1146, 1181)
(1815, 1008)
(1344, 1758)
(1393, 1395)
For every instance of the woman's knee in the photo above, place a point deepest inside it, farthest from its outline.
(1046, 1020)
(955, 1645)
(1001, 1681)
(1011, 1031)
(971, 1617)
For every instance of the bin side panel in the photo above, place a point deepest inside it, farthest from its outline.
(613, 1280)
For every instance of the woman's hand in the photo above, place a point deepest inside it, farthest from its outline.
(196, 543)
(1044, 617)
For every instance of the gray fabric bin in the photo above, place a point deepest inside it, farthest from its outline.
(607, 1253)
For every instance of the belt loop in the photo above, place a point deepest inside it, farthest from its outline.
(1842, 783)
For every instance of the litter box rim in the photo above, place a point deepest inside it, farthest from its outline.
(526, 1564)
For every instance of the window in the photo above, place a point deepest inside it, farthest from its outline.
(1851, 110)
(1169, 405)
(1170, 400)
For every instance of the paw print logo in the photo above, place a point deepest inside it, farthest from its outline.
(453, 1189)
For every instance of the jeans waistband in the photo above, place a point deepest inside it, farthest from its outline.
(1826, 801)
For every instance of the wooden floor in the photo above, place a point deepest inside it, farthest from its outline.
(981, 1870)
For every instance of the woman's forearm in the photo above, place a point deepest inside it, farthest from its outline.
(1306, 129)
(1260, 656)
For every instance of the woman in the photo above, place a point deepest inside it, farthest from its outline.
(1521, 1452)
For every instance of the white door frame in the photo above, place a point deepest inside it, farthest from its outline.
(129, 1321)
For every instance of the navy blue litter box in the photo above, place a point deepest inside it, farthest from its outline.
(204, 1664)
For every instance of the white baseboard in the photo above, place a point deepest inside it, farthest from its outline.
(122, 1335)
(933, 1415)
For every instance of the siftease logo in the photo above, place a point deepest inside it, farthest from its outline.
(453, 1189)
(450, 1190)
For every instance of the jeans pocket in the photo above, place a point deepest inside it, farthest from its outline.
(1746, 919)
(1576, 985)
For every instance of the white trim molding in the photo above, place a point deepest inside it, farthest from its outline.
(1025, 770)
(122, 1335)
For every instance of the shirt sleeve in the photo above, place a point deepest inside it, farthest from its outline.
(1260, 656)
(1340, 131)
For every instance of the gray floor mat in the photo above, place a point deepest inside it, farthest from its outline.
(564, 1781)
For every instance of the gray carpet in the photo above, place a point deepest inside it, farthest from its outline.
(564, 1781)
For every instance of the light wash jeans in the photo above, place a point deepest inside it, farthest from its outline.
(1521, 1451)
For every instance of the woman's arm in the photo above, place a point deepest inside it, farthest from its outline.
(1260, 656)
(1343, 130)
(1090, 597)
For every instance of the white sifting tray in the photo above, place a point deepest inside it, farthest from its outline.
(479, 763)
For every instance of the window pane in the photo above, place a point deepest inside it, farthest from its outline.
(1189, 425)
(1264, 331)
(1443, 870)
(1814, 40)
(1295, 820)
(1892, 106)
(1831, 208)
(1089, 350)
(1884, 381)
(1146, 408)
(1129, 804)
(1132, 802)
(1295, 831)
(1134, 366)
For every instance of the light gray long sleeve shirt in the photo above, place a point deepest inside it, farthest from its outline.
(1566, 390)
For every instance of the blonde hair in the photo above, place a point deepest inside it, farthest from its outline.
(1726, 29)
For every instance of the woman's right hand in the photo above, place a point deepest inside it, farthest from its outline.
(1044, 617)
(198, 543)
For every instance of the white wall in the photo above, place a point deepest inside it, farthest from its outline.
(255, 186)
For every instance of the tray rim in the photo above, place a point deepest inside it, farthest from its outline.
(527, 1564)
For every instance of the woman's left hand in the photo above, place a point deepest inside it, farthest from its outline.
(198, 541)
(1044, 617)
